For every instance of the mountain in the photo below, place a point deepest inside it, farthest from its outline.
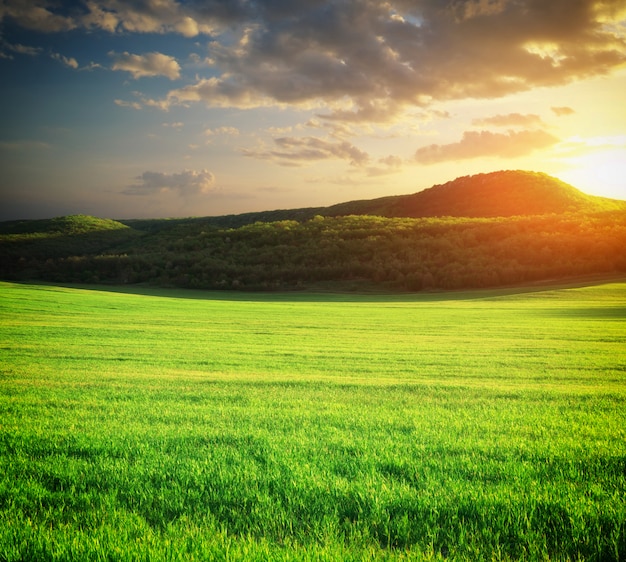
(477, 231)
(497, 194)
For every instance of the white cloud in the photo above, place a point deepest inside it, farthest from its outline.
(20, 49)
(388, 165)
(150, 64)
(101, 18)
(67, 61)
(561, 111)
(187, 182)
(36, 15)
(232, 131)
(358, 60)
(177, 125)
(477, 144)
(510, 120)
(132, 104)
(368, 61)
(149, 16)
(295, 151)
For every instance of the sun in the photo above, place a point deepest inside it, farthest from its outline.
(596, 170)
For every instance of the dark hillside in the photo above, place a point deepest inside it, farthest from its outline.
(498, 194)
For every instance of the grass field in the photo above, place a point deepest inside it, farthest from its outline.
(198, 426)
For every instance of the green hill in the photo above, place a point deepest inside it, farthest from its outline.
(497, 194)
(27, 242)
(479, 231)
(67, 225)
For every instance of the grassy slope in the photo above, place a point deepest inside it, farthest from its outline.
(59, 226)
(168, 426)
(71, 235)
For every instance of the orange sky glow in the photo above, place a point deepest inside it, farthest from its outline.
(163, 108)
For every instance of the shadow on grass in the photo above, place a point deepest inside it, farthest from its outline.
(354, 293)
(592, 312)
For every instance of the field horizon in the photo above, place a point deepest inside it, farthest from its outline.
(330, 289)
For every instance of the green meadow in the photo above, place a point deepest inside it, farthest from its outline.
(178, 425)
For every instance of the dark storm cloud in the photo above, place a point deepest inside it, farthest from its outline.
(363, 59)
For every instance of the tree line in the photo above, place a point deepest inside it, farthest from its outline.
(353, 251)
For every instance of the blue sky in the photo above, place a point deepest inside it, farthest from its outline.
(155, 108)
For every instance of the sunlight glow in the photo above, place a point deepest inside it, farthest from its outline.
(600, 172)
(545, 50)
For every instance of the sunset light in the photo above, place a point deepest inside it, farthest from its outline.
(297, 280)
(600, 172)
(172, 108)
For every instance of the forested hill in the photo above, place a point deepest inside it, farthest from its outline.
(497, 194)
(488, 230)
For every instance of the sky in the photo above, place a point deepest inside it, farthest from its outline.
(176, 108)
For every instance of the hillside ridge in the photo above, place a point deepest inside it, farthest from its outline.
(504, 193)
(62, 226)
(526, 227)
(495, 194)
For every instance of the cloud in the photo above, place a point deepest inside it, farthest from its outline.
(150, 64)
(356, 60)
(510, 120)
(36, 15)
(91, 66)
(23, 145)
(98, 17)
(176, 125)
(370, 60)
(158, 16)
(7, 49)
(232, 131)
(486, 144)
(560, 111)
(132, 104)
(67, 61)
(17, 48)
(295, 151)
(225, 131)
(389, 165)
(139, 16)
(187, 182)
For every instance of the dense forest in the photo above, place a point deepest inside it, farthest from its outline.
(345, 252)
